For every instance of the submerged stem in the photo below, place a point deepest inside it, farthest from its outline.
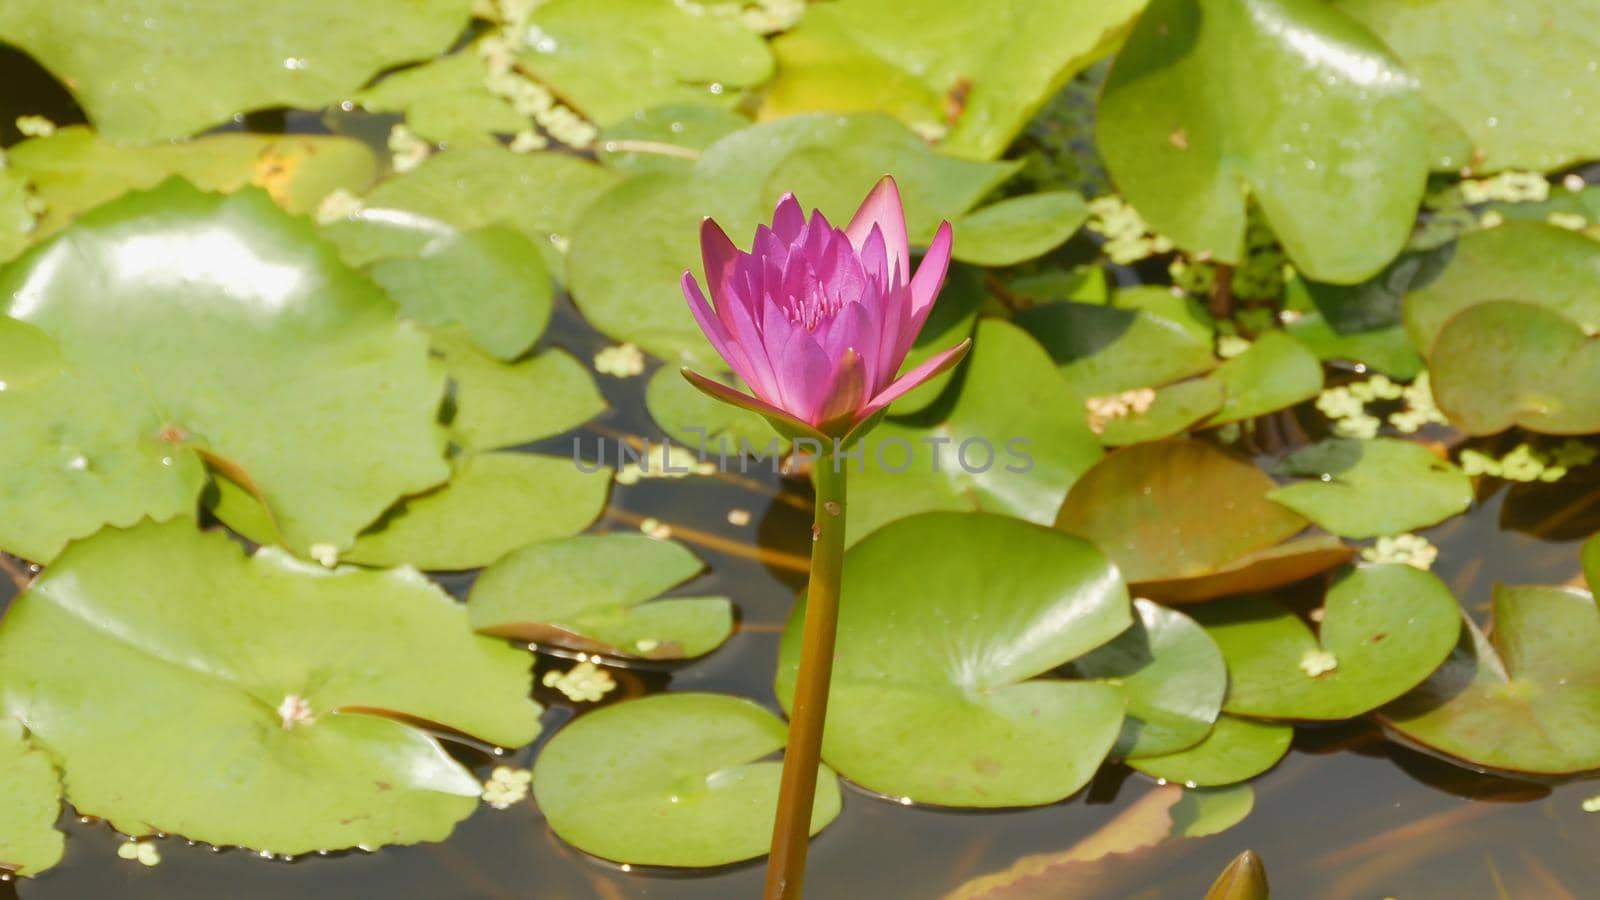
(791, 829)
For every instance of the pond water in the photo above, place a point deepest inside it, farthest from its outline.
(1349, 813)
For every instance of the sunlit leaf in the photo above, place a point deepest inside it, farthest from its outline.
(539, 194)
(665, 138)
(446, 101)
(608, 58)
(1519, 78)
(588, 593)
(1501, 364)
(301, 684)
(1206, 811)
(1175, 509)
(976, 70)
(492, 504)
(1525, 697)
(968, 722)
(201, 327)
(1275, 373)
(670, 780)
(1147, 340)
(1372, 488)
(30, 803)
(154, 69)
(1236, 750)
(1173, 675)
(75, 170)
(498, 404)
(1322, 127)
(489, 281)
(1383, 630)
(1532, 262)
(1019, 228)
(1011, 441)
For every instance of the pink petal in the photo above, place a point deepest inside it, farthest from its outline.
(846, 393)
(925, 286)
(883, 209)
(804, 374)
(719, 391)
(917, 376)
(874, 256)
(718, 254)
(931, 271)
(714, 330)
(789, 220)
(763, 376)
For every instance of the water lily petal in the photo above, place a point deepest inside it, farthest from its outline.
(917, 376)
(719, 256)
(925, 287)
(789, 220)
(716, 390)
(882, 208)
(714, 330)
(846, 392)
(805, 374)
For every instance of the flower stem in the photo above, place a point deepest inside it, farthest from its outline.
(791, 829)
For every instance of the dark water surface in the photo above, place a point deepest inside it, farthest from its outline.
(1348, 814)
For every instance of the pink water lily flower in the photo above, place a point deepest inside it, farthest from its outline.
(818, 320)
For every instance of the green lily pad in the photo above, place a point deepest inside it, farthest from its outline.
(1386, 350)
(17, 223)
(1275, 373)
(588, 593)
(446, 101)
(1019, 228)
(1526, 697)
(1203, 812)
(1372, 488)
(1147, 340)
(202, 327)
(653, 220)
(1175, 509)
(969, 722)
(1501, 364)
(1173, 675)
(489, 281)
(75, 169)
(1173, 410)
(498, 404)
(665, 138)
(1533, 262)
(609, 58)
(1323, 127)
(1384, 629)
(137, 68)
(301, 684)
(539, 194)
(1516, 77)
(670, 780)
(30, 803)
(978, 71)
(1591, 561)
(1236, 750)
(1012, 441)
(493, 504)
